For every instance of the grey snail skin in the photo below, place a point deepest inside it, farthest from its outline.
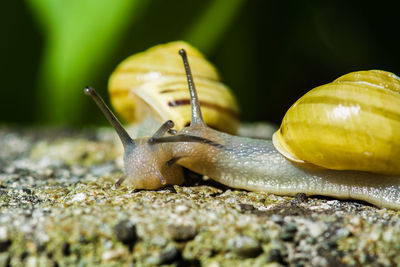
(240, 162)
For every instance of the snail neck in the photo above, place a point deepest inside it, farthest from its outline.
(228, 159)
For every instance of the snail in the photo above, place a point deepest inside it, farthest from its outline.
(150, 87)
(256, 165)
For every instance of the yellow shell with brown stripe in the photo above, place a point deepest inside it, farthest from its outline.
(352, 123)
(154, 82)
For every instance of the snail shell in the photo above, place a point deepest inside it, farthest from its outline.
(352, 123)
(155, 81)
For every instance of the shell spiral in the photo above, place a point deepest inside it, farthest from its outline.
(352, 123)
(154, 82)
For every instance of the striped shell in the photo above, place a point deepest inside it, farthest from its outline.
(154, 82)
(352, 123)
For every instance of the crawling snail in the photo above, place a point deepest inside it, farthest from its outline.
(150, 87)
(257, 165)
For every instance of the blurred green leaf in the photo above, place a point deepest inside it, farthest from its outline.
(80, 35)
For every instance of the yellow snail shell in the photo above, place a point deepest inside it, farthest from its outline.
(154, 82)
(352, 123)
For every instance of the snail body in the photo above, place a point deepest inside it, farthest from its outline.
(245, 163)
(256, 165)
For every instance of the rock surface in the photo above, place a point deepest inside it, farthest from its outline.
(59, 207)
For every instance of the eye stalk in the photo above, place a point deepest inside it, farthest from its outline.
(126, 140)
(197, 118)
(163, 129)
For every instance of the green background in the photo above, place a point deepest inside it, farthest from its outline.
(268, 52)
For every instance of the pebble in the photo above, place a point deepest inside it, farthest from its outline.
(4, 245)
(288, 232)
(66, 249)
(169, 255)
(181, 208)
(315, 229)
(275, 255)
(244, 246)
(278, 219)
(246, 207)
(112, 254)
(78, 197)
(5, 241)
(159, 240)
(125, 232)
(301, 197)
(182, 233)
(3, 233)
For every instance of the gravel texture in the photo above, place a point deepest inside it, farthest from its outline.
(59, 207)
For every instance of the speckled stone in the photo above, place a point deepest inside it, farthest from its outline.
(59, 207)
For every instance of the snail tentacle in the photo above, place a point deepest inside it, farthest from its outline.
(172, 131)
(163, 129)
(120, 181)
(122, 133)
(173, 161)
(197, 117)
